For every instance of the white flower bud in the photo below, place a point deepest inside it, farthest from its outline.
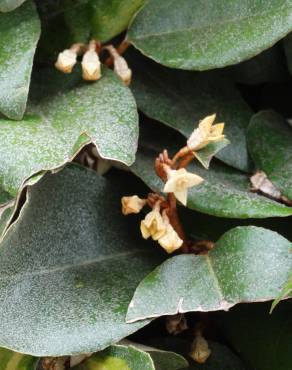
(153, 224)
(121, 67)
(91, 70)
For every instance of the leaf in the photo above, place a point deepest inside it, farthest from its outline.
(270, 145)
(205, 155)
(262, 340)
(181, 99)
(118, 358)
(286, 292)
(62, 267)
(111, 17)
(16, 361)
(248, 264)
(20, 31)
(61, 111)
(9, 5)
(221, 358)
(224, 193)
(208, 34)
(163, 360)
(268, 66)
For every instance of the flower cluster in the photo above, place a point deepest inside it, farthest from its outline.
(91, 65)
(162, 222)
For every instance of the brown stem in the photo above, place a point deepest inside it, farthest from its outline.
(175, 221)
(186, 160)
(124, 45)
(180, 154)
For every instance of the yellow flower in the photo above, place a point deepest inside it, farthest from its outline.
(170, 241)
(66, 61)
(153, 224)
(205, 133)
(132, 204)
(91, 66)
(178, 182)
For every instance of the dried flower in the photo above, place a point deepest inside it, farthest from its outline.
(170, 241)
(200, 350)
(178, 182)
(176, 324)
(121, 67)
(153, 224)
(205, 133)
(132, 204)
(91, 70)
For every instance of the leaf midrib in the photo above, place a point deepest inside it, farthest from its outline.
(99, 259)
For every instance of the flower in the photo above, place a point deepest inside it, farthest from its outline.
(178, 182)
(121, 67)
(132, 204)
(206, 133)
(170, 241)
(66, 61)
(200, 350)
(91, 66)
(153, 224)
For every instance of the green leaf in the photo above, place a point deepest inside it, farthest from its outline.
(221, 358)
(62, 267)
(118, 358)
(262, 340)
(111, 17)
(20, 31)
(268, 66)
(205, 155)
(16, 361)
(181, 99)
(270, 145)
(9, 5)
(248, 264)
(204, 35)
(60, 112)
(224, 193)
(286, 291)
(163, 360)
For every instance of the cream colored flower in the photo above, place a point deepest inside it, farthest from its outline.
(66, 61)
(170, 241)
(121, 67)
(205, 133)
(178, 182)
(91, 70)
(153, 224)
(132, 204)
(200, 350)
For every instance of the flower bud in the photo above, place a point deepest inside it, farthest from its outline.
(200, 350)
(91, 70)
(66, 61)
(121, 67)
(153, 224)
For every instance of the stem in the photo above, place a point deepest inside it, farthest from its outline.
(186, 160)
(180, 154)
(175, 221)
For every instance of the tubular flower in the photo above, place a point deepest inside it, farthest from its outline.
(206, 133)
(66, 60)
(121, 67)
(153, 224)
(132, 204)
(91, 70)
(178, 182)
(170, 241)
